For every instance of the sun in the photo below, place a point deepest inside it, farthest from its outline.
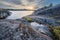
(30, 7)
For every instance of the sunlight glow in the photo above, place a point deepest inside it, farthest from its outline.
(30, 7)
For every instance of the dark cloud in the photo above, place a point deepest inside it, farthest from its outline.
(18, 2)
(30, 0)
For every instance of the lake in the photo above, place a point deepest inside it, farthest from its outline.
(19, 14)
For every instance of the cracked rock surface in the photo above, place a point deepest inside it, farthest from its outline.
(16, 30)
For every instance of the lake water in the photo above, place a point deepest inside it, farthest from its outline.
(19, 14)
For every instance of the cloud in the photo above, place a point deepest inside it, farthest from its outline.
(20, 4)
(7, 4)
(13, 1)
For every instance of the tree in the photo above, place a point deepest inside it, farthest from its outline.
(51, 5)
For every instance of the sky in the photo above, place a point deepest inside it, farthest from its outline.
(26, 4)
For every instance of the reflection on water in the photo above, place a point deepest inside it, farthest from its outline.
(19, 14)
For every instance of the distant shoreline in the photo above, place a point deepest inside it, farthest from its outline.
(18, 9)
